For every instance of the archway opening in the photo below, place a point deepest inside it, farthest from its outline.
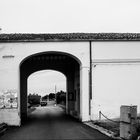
(46, 90)
(61, 62)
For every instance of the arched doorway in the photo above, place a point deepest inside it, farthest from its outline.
(44, 82)
(62, 62)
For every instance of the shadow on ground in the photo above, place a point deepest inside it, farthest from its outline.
(51, 122)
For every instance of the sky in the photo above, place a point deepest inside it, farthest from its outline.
(45, 82)
(53, 16)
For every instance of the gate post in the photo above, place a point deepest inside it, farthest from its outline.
(128, 122)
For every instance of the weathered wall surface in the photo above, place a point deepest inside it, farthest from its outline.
(115, 74)
(116, 77)
(9, 116)
(11, 55)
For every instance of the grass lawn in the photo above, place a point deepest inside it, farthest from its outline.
(109, 125)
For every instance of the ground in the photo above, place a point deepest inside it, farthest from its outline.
(51, 122)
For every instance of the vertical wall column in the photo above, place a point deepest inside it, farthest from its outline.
(23, 98)
(70, 90)
(84, 93)
(67, 112)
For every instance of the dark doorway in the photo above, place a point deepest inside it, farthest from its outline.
(62, 62)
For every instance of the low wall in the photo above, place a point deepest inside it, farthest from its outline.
(10, 117)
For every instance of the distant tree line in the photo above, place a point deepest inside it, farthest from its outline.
(60, 97)
(34, 99)
(50, 96)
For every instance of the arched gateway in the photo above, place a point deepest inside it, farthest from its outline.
(24, 57)
(94, 65)
(62, 62)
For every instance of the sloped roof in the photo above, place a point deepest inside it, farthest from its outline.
(69, 37)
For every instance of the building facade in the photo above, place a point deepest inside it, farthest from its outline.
(102, 71)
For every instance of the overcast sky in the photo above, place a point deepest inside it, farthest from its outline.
(52, 16)
(46, 81)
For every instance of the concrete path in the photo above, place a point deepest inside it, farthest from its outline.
(50, 122)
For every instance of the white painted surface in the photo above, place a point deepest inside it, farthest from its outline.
(116, 50)
(9, 67)
(84, 96)
(9, 116)
(115, 85)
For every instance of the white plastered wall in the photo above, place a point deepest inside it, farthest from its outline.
(115, 77)
(9, 67)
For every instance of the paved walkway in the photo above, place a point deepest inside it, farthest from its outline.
(50, 122)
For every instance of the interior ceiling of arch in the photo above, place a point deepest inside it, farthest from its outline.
(59, 62)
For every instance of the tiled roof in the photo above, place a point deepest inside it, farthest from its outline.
(69, 37)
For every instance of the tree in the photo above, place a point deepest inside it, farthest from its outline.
(61, 97)
(46, 97)
(51, 96)
(34, 99)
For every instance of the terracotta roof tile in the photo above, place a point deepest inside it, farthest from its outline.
(69, 37)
